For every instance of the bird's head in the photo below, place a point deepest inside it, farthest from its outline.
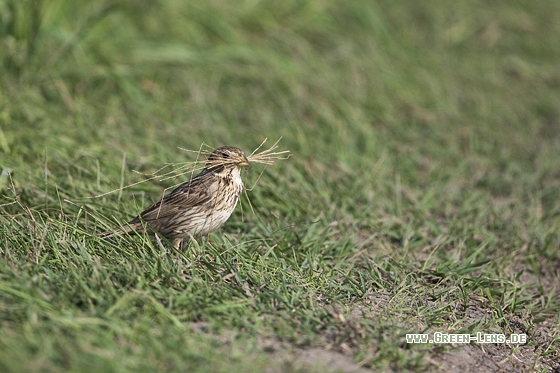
(226, 157)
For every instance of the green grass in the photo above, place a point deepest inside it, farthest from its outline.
(422, 195)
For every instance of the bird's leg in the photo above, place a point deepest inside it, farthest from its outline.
(186, 241)
(159, 243)
(177, 243)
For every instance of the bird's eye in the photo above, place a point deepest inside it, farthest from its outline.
(225, 155)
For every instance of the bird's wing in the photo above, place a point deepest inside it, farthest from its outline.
(194, 192)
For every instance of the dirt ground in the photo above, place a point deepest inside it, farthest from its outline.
(464, 358)
(468, 358)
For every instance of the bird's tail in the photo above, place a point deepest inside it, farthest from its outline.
(139, 228)
(127, 229)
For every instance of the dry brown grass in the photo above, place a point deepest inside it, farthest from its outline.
(176, 170)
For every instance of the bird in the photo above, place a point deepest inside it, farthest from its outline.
(196, 207)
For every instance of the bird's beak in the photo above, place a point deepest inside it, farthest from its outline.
(243, 163)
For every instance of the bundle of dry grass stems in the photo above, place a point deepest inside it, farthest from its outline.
(267, 157)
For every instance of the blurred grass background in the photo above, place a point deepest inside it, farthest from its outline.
(425, 142)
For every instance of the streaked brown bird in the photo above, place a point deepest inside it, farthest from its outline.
(197, 207)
